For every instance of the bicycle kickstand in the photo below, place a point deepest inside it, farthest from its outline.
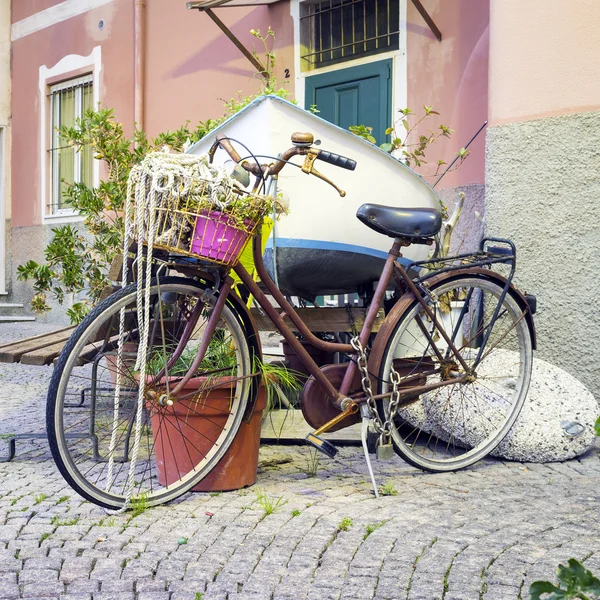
(364, 413)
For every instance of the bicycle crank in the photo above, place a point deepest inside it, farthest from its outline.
(323, 445)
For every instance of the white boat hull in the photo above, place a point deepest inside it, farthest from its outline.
(321, 247)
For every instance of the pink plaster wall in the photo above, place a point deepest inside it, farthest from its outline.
(21, 9)
(544, 58)
(190, 68)
(78, 35)
(452, 75)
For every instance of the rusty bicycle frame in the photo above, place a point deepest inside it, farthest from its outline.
(346, 401)
(392, 268)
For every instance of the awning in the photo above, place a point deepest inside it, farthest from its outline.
(207, 6)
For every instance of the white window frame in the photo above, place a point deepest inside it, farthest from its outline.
(399, 59)
(71, 67)
(55, 184)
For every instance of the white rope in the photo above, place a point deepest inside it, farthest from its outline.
(161, 177)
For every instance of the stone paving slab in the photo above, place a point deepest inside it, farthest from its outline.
(483, 533)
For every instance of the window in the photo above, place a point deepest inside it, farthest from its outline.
(68, 101)
(338, 30)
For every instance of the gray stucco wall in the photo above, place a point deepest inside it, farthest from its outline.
(543, 192)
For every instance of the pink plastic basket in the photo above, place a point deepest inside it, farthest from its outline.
(216, 237)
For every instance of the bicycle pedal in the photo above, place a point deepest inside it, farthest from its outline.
(322, 445)
(385, 451)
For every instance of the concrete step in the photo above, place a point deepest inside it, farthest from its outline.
(15, 318)
(13, 311)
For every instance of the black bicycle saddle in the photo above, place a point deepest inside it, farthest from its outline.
(414, 223)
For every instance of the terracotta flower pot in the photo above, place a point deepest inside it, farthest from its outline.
(181, 442)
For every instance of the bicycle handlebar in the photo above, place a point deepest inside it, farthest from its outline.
(303, 149)
(337, 160)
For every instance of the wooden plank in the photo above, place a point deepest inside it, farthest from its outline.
(16, 352)
(43, 356)
(321, 319)
(35, 337)
(290, 426)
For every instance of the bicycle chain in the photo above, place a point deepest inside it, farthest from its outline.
(382, 428)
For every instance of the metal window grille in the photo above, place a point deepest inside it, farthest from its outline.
(68, 101)
(338, 30)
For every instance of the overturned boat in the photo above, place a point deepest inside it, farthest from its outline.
(321, 248)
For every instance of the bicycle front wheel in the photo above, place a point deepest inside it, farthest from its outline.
(92, 429)
(455, 425)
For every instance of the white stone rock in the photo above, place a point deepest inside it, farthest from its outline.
(556, 401)
(555, 398)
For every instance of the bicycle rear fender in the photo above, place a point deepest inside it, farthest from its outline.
(403, 304)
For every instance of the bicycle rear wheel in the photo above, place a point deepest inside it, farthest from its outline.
(454, 426)
(92, 436)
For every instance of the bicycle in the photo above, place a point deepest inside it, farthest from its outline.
(443, 379)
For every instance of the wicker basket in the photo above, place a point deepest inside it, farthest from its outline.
(194, 226)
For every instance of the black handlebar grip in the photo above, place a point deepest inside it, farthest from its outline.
(337, 160)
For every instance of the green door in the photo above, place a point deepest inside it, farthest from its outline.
(355, 96)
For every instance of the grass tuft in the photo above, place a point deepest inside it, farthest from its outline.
(269, 504)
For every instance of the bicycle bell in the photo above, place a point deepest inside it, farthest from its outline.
(302, 140)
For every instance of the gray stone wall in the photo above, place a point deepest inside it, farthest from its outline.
(469, 230)
(29, 243)
(543, 192)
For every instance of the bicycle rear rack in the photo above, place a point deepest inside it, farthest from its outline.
(503, 252)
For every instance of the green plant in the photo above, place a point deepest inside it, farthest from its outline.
(411, 149)
(199, 596)
(139, 504)
(269, 504)
(371, 527)
(40, 498)
(56, 520)
(345, 524)
(220, 356)
(296, 513)
(276, 378)
(45, 536)
(312, 462)
(387, 489)
(76, 261)
(597, 427)
(62, 499)
(574, 581)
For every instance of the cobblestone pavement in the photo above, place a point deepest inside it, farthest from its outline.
(485, 532)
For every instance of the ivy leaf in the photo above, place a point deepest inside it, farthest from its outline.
(387, 147)
(538, 588)
(577, 578)
(389, 130)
